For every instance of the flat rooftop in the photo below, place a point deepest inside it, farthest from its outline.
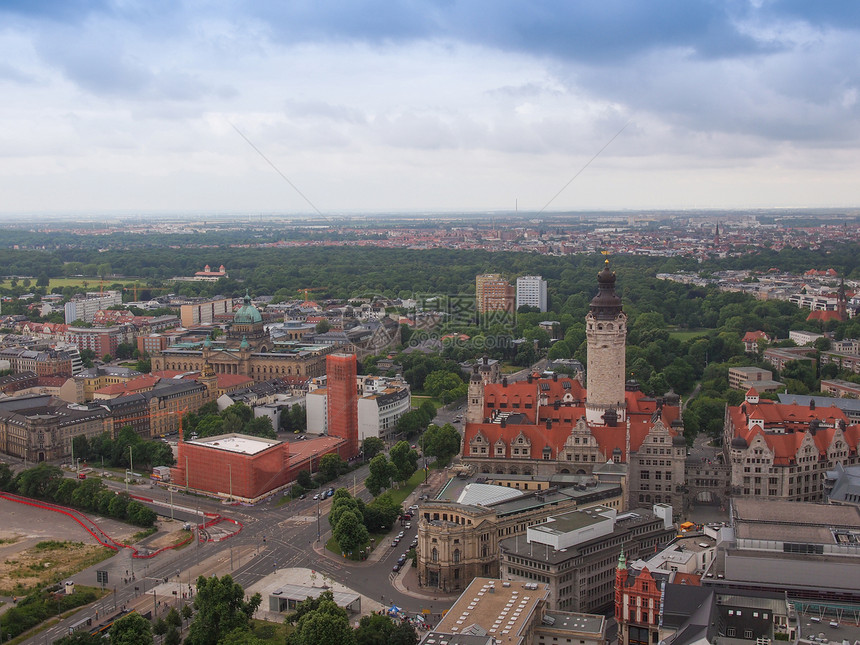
(244, 444)
(303, 450)
(792, 514)
(502, 609)
(572, 521)
(576, 622)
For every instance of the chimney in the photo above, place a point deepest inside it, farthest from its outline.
(811, 403)
(504, 422)
(555, 376)
(505, 382)
(531, 378)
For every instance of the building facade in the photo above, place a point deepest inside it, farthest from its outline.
(784, 450)
(494, 294)
(84, 309)
(543, 426)
(531, 291)
(575, 553)
(342, 399)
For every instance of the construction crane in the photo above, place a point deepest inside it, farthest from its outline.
(308, 290)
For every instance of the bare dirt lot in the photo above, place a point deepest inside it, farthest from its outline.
(32, 552)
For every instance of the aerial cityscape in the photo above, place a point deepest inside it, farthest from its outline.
(430, 323)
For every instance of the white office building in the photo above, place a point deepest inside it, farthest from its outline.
(531, 291)
(85, 308)
(382, 401)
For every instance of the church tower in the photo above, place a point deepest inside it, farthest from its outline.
(842, 301)
(606, 335)
(475, 408)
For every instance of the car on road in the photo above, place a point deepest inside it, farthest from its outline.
(408, 525)
(414, 507)
(396, 567)
(413, 544)
(82, 475)
(400, 535)
(395, 542)
(317, 496)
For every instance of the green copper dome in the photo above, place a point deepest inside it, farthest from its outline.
(247, 313)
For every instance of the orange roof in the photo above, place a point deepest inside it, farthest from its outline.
(682, 578)
(565, 405)
(752, 392)
(139, 384)
(824, 316)
(233, 381)
(784, 426)
(752, 336)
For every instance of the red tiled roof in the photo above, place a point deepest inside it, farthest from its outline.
(823, 316)
(145, 382)
(570, 395)
(753, 336)
(233, 381)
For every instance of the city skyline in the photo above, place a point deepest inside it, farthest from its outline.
(423, 107)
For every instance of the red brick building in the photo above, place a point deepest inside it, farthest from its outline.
(342, 400)
(232, 465)
(637, 605)
(243, 467)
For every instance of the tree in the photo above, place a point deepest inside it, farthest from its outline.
(131, 629)
(298, 417)
(6, 477)
(371, 447)
(403, 634)
(350, 532)
(374, 629)
(40, 481)
(381, 514)
(404, 460)
(221, 609)
(260, 427)
(442, 443)
(381, 473)
(124, 351)
(322, 326)
(160, 627)
(304, 479)
(330, 466)
(326, 623)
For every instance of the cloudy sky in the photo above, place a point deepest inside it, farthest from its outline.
(380, 105)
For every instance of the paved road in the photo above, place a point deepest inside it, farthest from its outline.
(274, 537)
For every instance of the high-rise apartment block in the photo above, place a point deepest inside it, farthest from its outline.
(531, 291)
(342, 400)
(493, 293)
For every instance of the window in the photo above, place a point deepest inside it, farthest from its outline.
(456, 555)
(434, 555)
(730, 632)
(748, 634)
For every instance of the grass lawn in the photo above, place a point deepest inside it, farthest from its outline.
(271, 632)
(418, 399)
(687, 334)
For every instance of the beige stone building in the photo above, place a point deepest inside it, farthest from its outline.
(246, 349)
(782, 450)
(458, 538)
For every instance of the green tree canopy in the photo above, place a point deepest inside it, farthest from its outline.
(221, 609)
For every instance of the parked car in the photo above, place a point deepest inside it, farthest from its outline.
(395, 542)
(396, 567)
(317, 496)
(400, 535)
(408, 525)
(330, 492)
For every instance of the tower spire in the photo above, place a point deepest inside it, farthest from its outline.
(622, 561)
